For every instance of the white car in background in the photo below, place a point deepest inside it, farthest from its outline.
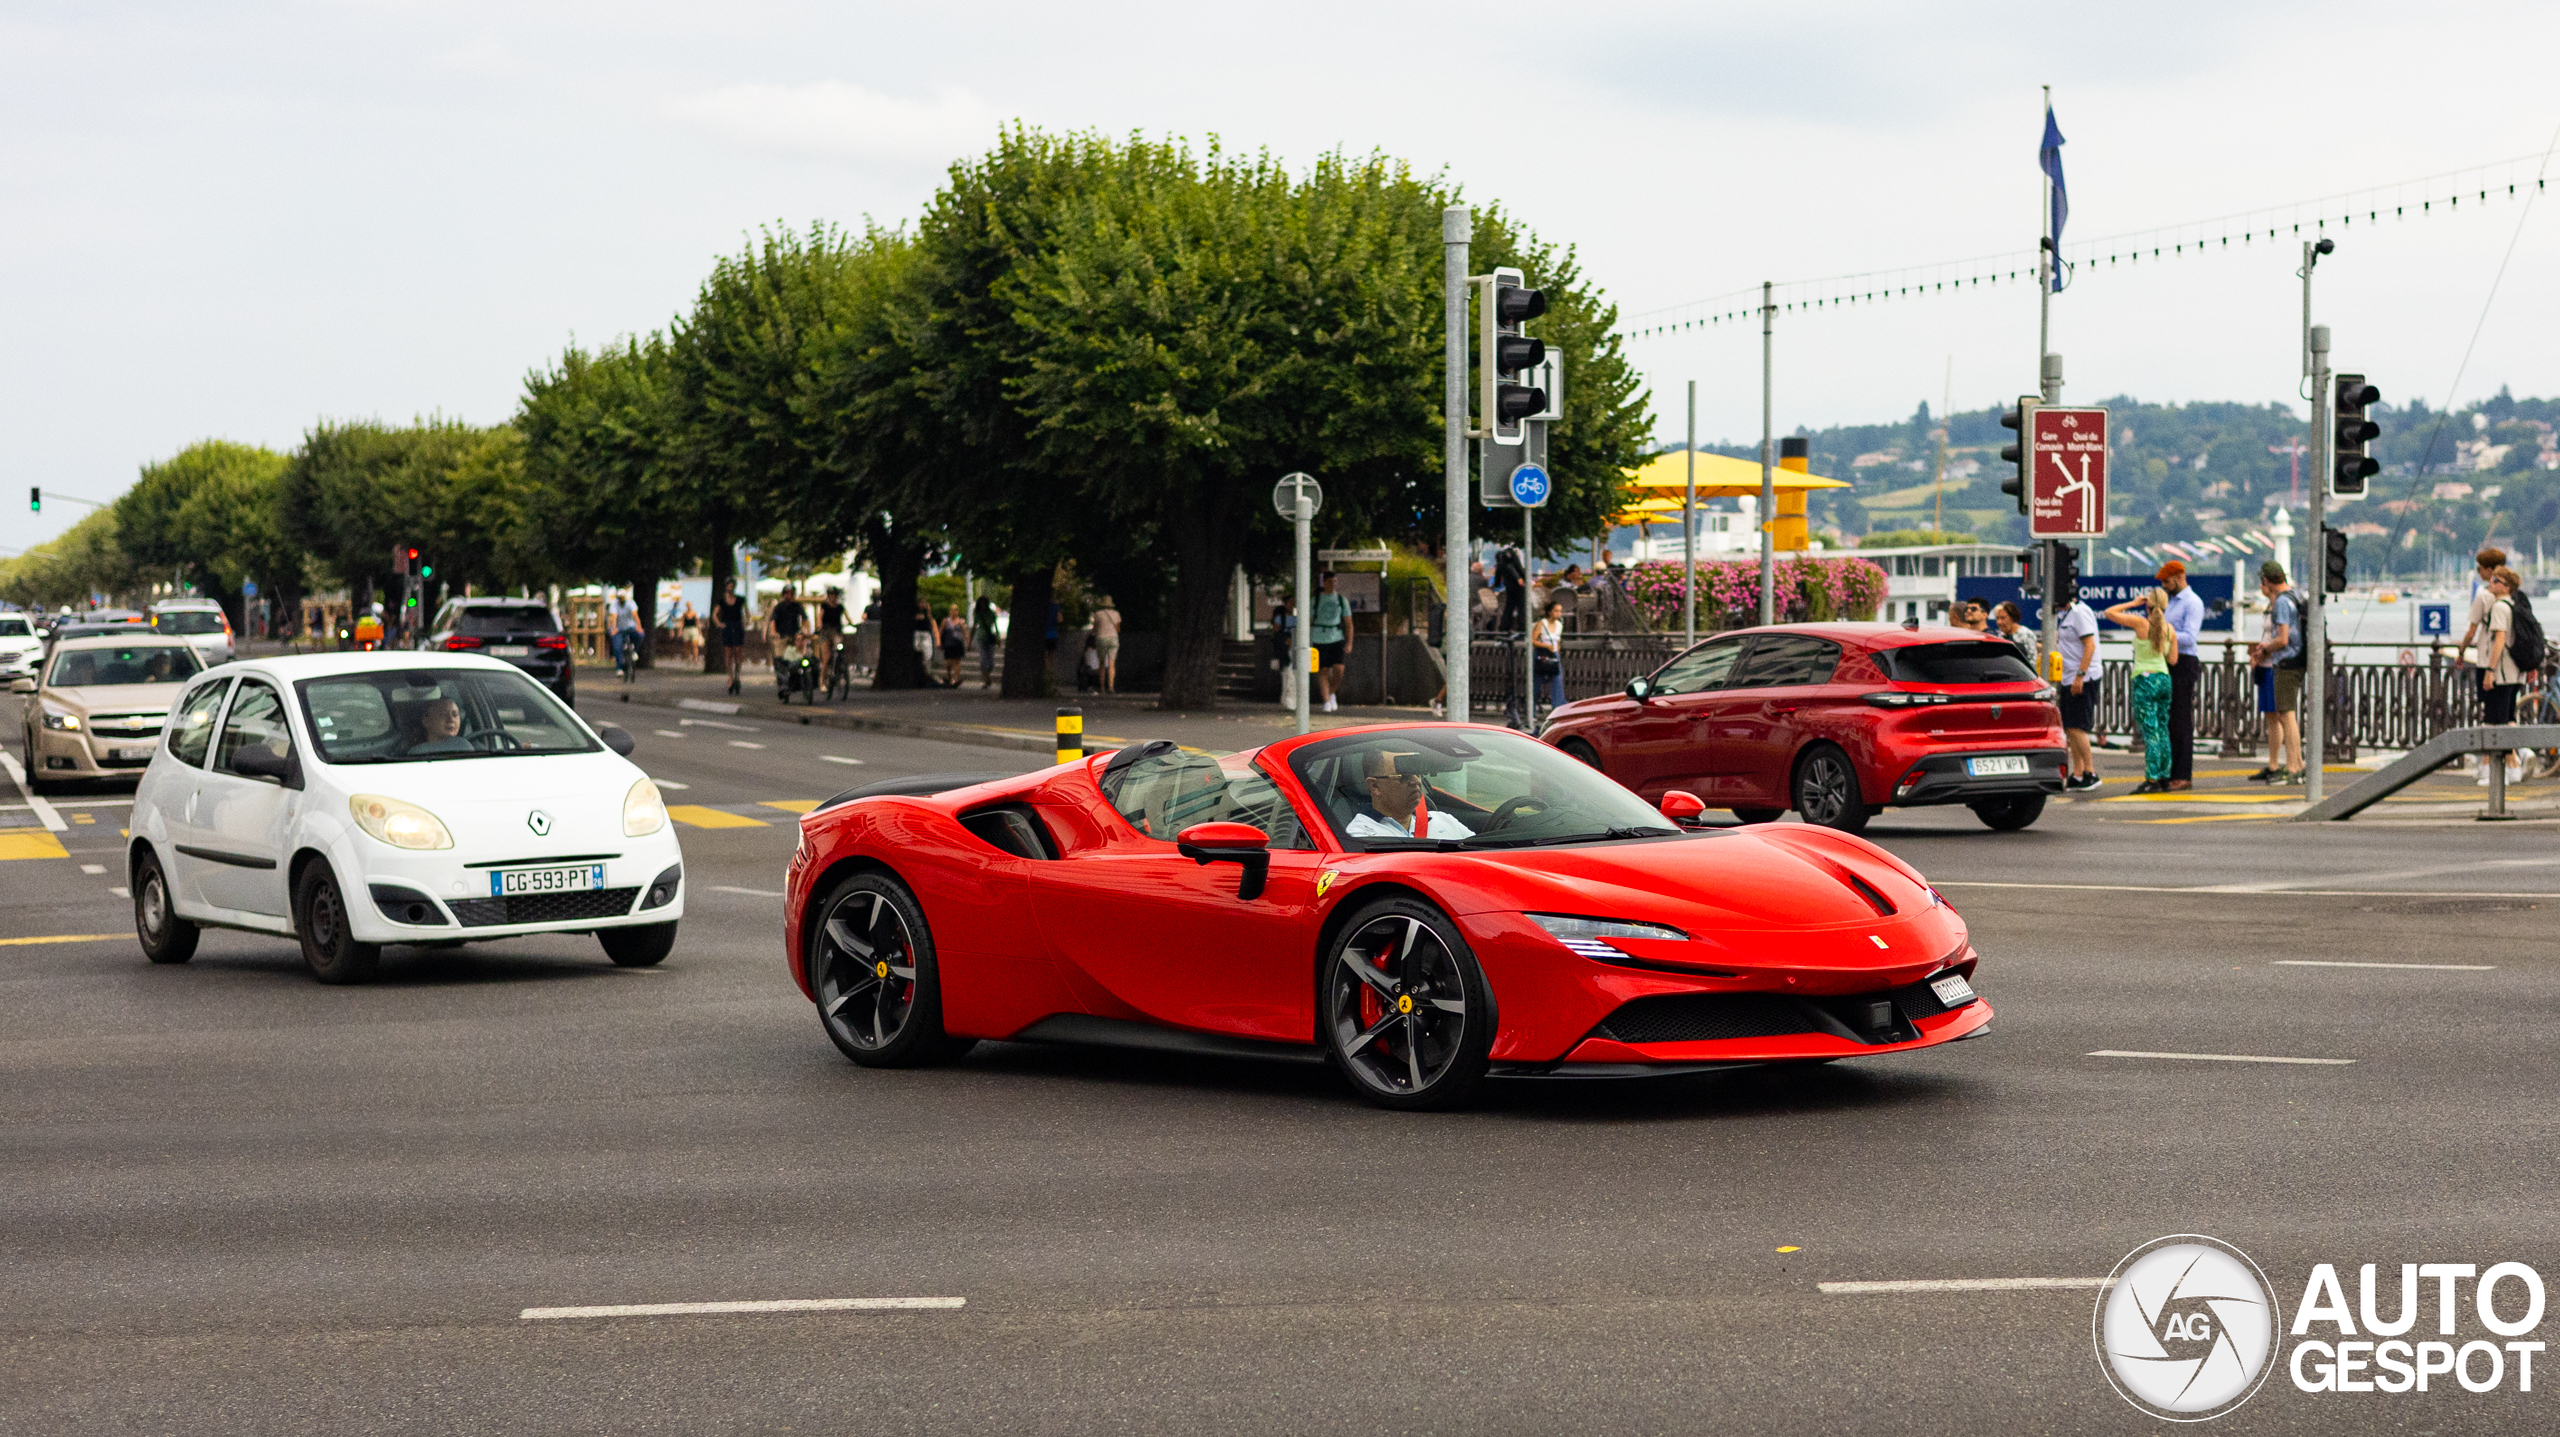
(20, 646)
(356, 800)
(201, 623)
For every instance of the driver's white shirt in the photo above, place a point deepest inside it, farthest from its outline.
(1442, 826)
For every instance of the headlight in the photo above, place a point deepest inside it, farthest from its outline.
(55, 718)
(1588, 929)
(402, 825)
(643, 812)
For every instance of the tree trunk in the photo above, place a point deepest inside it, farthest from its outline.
(644, 597)
(900, 564)
(724, 567)
(1195, 625)
(1026, 643)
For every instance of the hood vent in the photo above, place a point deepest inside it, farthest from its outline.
(1882, 905)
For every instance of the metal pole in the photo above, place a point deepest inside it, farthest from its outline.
(1457, 226)
(2315, 651)
(2051, 381)
(1528, 620)
(1768, 473)
(2045, 260)
(1689, 529)
(1298, 631)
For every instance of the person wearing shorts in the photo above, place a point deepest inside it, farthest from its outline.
(1106, 642)
(1329, 629)
(729, 614)
(2077, 638)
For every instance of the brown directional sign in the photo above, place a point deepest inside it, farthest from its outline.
(2067, 487)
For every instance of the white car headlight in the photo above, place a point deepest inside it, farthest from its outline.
(55, 718)
(1569, 928)
(643, 811)
(402, 825)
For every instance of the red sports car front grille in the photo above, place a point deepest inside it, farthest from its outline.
(1880, 1017)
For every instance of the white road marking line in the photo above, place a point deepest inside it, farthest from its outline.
(93, 868)
(1964, 1284)
(831, 758)
(714, 1309)
(2244, 892)
(2222, 1058)
(43, 811)
(127, 893)
(750, 892)
(2341, 963)
(715, 723)
(742, 743)
(669, 733)
(706, 706)
(670, 783)
(2397, 875)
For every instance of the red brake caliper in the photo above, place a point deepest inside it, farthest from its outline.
(1371, 1010)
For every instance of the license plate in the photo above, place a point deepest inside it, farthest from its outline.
(1996, 764)
(142, 753)
(1952, 990)
(514, 882)
(508, 651)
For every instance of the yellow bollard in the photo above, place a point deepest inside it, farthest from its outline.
(1070, 735)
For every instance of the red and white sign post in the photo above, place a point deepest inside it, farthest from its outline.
(2067, 487)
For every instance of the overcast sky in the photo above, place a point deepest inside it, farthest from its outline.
(234, 220)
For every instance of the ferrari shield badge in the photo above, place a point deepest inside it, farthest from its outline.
(1324, 881)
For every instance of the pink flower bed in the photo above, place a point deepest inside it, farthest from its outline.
(1808, 590)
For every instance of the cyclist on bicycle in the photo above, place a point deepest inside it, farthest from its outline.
(830, 638)
(623, 622)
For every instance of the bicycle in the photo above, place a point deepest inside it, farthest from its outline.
(2541, 705)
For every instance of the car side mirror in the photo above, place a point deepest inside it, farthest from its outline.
(1682, 807)
(617, 739)
(262, 762)
(22, 686)
(1239, 843)
(1639, 688)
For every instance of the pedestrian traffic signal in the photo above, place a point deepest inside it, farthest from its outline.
(2354, 432)
(2066, 574)
(1510, 304)
(2016, 454)
(2333, 560)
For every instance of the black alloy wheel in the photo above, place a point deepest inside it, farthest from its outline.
(1405, 1012)
(871, 964)
(166, 937)
(1826, 790)
(329, 946)
(2008, 815)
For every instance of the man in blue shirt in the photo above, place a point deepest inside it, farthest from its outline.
(2186, 619)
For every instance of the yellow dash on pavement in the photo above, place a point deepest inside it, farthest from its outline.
(698, 816)
(1790, 1249)
(30, 843)
(790, 805)
(2196, 795)
(2212, 818)
(63, 938)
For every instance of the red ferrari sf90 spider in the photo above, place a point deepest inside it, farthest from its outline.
(1424, 905)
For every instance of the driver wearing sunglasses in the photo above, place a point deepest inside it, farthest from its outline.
(1396, 800)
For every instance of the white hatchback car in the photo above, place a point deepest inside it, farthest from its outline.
(355, 800)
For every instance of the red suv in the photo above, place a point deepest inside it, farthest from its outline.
(1836, 721)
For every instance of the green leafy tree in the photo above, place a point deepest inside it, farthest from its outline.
(211, 515)
(607, 494)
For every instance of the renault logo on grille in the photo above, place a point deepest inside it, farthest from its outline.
(539, 822)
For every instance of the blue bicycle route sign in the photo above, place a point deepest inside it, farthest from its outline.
(1529, 486)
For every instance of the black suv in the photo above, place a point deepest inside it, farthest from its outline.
(521, 631)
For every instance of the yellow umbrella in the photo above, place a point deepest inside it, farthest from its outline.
(1720, 477)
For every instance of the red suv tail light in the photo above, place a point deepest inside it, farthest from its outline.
(552, 641)
(459, 642)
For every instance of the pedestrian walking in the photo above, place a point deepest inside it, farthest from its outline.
(984, 620)
(1106, 642)
(2012, 626)
(2485, 563)
(1329, 629)
(831, 652)
(2277, 660)
(1284, 628)
(2186, 618)
(729, 614)
(690, 625)
(1969, 615)
(1546, 653)
(2501, 677)
(955, 646)
(2155, 644)
(2076, 637)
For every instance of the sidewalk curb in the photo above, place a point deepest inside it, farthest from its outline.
(859, 723)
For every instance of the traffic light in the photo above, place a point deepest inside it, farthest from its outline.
(2333, 559)
(426, 571)
(2017, 454)
(35, 499)
(1510, 304)
(2354, 432)
(2066, 574)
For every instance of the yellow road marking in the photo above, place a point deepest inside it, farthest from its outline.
(790, 805)
(2211, 818)
(63, 938)
(697, 816)
(30, 843)
(2195, 795)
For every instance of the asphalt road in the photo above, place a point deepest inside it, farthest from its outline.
(234, 1201)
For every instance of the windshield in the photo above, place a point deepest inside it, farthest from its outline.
(422, 715)
(187, 621)
(134, 664)
(13, 627)
(1965, 661)
(490, 620)
(1479, 787)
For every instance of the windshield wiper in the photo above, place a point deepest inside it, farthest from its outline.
(1610, 834)
(1410, 845)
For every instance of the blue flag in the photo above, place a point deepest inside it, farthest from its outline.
(2050, 158)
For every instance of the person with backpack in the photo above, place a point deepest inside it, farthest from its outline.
(2510, 648)
(2280, 656)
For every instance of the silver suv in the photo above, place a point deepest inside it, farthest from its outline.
(201, 623)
